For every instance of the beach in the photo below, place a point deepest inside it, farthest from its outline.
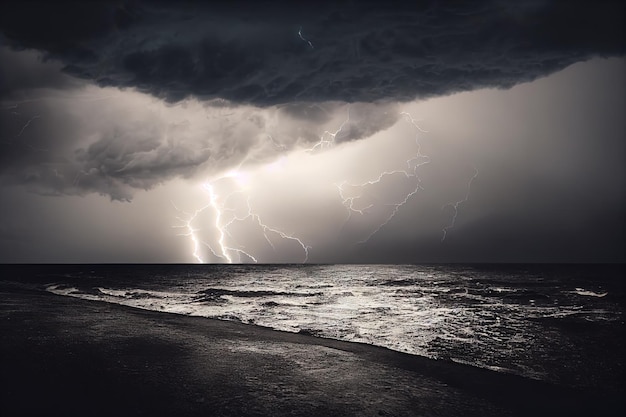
(66, 356)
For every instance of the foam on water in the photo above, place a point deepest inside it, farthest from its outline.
(498, 321)
(582, 291)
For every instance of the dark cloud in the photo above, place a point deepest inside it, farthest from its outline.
(251, 52)
(27, 72)
(86, 139)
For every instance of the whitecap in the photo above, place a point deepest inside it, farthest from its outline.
(582, 291)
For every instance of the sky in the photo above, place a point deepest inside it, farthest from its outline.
(360, 132)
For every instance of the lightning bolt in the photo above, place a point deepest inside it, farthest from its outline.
(455, 206)
(228, 250)
(304, 39)
(187, 224)
(396, 208)
(410, 172)
(265, 228)
(213, 197)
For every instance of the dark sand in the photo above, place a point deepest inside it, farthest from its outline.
(68, 357)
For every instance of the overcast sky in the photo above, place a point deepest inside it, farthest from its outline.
(342, 132)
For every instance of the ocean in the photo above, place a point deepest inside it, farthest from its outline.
(558, 323)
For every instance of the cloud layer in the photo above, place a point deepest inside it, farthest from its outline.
(80, 138)
(249, 52)
(221, 64)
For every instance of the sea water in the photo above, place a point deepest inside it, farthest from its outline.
(559, 323)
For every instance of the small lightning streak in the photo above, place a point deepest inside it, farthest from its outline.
(327, 140)
(24, 127)
(27, 124)
(276, 143)
(349, 202)
(419, 159)
(413, 121)
(304, 39)
(455, 206)
(396, 208)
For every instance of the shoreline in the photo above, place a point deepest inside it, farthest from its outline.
(83, 357)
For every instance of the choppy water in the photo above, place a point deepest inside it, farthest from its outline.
(564, 324)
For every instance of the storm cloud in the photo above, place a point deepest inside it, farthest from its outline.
(324, 132)
(224, 64)
(251, 53)
(60, 135)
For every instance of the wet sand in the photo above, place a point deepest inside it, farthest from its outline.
(61, 356)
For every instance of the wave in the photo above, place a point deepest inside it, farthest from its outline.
(215, 294)
(582, 291)
(494, 322)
